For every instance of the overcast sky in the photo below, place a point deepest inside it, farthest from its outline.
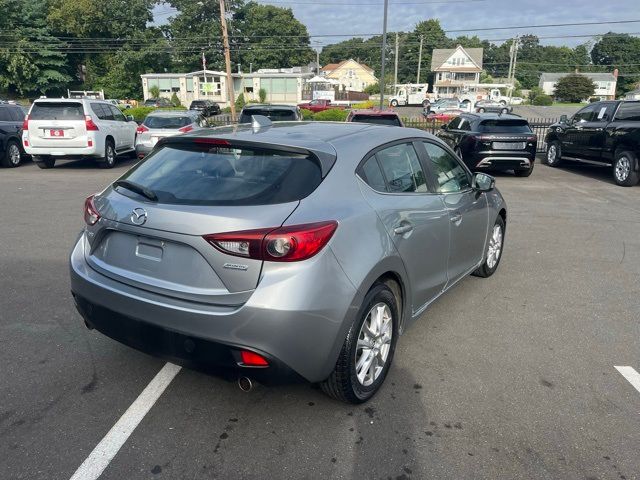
(343, 17)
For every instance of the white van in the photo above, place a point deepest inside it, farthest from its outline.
(77, 128)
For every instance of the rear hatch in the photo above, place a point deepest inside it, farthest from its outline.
(157, 127)
(158, 245)
(507, 135)
(57, 124)
(272, 113)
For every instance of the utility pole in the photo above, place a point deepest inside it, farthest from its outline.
(513, 70)
(204, 72)
(317, 61)
(511, 50)
(420, 58)
(384, 48)
(227, 61)
(395, 72)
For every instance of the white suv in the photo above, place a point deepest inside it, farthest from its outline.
(77, 128)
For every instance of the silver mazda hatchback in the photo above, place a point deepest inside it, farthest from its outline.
(286, 251)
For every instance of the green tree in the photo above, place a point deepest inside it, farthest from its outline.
(620, 51)
(31, 58)
(262, 94)
(240, 102)
(276, 38)
(574, 88)
(154, 91)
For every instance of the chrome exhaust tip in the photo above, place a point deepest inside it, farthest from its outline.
(245, 384)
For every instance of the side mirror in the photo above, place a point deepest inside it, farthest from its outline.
(483, 182)
(129, 118)
(564, 119)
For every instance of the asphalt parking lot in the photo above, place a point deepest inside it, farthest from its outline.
(510, 377)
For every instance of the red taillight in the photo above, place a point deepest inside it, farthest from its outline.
(141, 129)
(186, 129)
(90, 124)
(212, 141)
(91, 215)
(25, 123)
(251, 359)
(284, 244)
(26, 142)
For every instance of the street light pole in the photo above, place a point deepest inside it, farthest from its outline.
(227, 61)
(384, 48)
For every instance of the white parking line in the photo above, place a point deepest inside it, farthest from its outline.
(104, 452)
(630, 374)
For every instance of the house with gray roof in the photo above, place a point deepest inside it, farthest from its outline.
(454, 69)
(605, 83)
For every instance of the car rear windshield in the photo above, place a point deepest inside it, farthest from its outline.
(167, 122)
(197, 103)
(201, 174)
(57, 111)
(377, 119)
(504, 126)
(275, 115)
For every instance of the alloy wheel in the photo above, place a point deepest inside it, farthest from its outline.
(374, 344)
(111, 155)
(623, 169)
(14, 154)
(495, 247)
(552, 153)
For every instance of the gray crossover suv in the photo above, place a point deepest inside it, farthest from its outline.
(283, 252)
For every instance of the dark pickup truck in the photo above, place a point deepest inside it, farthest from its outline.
(602, 133)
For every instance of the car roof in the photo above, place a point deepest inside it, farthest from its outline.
(374, 112)
(173, 113)
(493, 116)
(70, 100)
(269, 106)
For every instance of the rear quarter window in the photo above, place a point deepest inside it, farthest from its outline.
(504, 126)
(377, 119)
(57, 111)
(200, 174)
(629, 112)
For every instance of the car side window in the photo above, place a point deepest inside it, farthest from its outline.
(4, 115)
(17, 113)
(629, 111)
(450, 175)
(117, 114)
(604, 113)
(464, 125)
(587, 114)
(454, 124)
(371, 173)
(101, 111)
(402, 169)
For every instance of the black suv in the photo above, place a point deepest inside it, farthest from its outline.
(488, 141)
(602, 133)
(11, 119)
(207, 108)
(276, 113)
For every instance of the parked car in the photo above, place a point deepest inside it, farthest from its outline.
(604, 133)
(208, 108)
(444, 104)
(318, 105)
(165, 123)
(118, 103)
(492, 141)
(158, 102)
(297, 253)
(516, 100)
(58, 129)
(483, 106)
(11, 150)
(444, 116)
(272, 112)
(380, 117)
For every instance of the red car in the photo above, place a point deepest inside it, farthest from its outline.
(377, 116)
(444, 116)
(318, 105)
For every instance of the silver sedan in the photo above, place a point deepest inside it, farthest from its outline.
(286, 251)
(165, 123)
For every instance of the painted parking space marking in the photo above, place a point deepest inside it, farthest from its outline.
(631, 375)
(109, 446)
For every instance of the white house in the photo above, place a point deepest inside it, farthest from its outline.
(454, 69)
(605, 83)
(632, 95)
(283, 85)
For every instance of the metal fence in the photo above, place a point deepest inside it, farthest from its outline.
(540, 126)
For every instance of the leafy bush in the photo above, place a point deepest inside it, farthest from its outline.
(534, 92)
(331, 115)
(262, 93)
(240, 102)
(139, 113)
(154, 91)
(175, 101)
(364, 105)
(372, 89)
(542, 100)
(306, 114)
(226, 110)
(574, 88)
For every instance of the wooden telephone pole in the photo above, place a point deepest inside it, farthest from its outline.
(227, 61)
(419, 59)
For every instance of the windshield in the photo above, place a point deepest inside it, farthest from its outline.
(57, 111)
(201, 174)
(167, 122)
(274, 115)
(504, 126)
(378, 119)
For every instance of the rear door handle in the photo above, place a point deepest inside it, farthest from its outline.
(403, 229)
(456, 218)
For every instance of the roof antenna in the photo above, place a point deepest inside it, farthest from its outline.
(260, 121)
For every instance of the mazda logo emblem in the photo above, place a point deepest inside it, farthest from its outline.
(138, 216)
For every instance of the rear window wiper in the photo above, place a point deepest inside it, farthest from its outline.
(137, 188)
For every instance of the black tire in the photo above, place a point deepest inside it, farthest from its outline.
(394, 103)
(426, 103)
(481, 110)
(44, 162)
(625, 167)
(554, 154)
(504, 110)
(486, 270)
(109, 159)
(12, 155)
(524, 172)
(343, 383)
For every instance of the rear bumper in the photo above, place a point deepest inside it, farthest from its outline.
(295, 321)
(501, 160)
(65, 152)
(143, 149)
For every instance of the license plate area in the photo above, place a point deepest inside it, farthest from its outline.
(509, 145)
(55, 133)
